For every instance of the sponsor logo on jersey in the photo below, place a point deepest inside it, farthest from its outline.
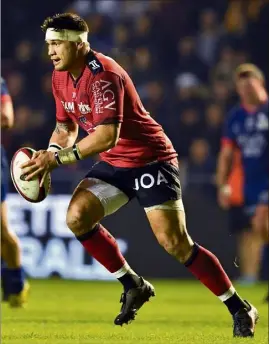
(250, 123)
(68, 106)
(84, 108)
(252, 146)
(262, 121)
(147, 181)
(94, 64)
(104, 97)
(83, 120)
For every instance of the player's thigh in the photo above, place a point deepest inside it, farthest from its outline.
(92, 200)
(238, 221)
(260, 220)
(84, 208)
(158, 191)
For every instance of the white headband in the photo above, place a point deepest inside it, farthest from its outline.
(66, 35)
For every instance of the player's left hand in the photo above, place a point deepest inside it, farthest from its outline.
(42, 162)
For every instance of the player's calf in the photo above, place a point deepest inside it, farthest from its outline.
(260, 221)
(83, 216)
(13, 282)
(170, 230)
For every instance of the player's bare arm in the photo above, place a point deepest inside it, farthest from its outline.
(103, 138)
(7, 115)
(223, 169)
(64, 134)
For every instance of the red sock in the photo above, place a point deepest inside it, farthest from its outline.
(102, 246)
(206, 267)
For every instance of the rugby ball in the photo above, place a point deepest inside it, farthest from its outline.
(29, 190)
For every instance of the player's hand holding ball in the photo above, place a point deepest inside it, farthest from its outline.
(41, 163)
(30, 172)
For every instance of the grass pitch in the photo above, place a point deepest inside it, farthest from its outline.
(65, 312)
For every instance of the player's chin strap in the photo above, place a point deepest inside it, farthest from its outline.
(68, 155)
(66, 35)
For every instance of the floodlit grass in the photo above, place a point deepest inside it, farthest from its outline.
(68, 312)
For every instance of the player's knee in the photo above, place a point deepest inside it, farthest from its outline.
(7, 238)
(258, 224)
(177, 243)
(4, 233)
(79, 221)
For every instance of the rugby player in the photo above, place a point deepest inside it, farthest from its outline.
(137, 160)
(14, 286)
(249, 243)
(246, 129)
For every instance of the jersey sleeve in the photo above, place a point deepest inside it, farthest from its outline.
(106, 98)
(228, 135)
(61, 114)
(5, 97)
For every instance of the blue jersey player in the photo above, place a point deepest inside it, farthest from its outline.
(15, 289)
(246, 129)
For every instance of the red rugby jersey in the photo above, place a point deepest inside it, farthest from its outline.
(103, 94)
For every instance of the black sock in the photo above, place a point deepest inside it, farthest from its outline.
(129, 281)
(234, 303)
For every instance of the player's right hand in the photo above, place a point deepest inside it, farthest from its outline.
(224, 194)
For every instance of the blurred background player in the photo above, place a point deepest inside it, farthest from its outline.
(14, 286)
(94, 92)
(246, 130)
(249, 243)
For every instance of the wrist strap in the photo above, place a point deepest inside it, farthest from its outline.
(68, 155)
(77, 152)
(57, 158)
(54, 147)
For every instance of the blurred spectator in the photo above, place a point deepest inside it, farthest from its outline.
(100, 32)
(133, 9)
(224, 69)
(189, 92)
(143, 66)
(188, 60)
(221, 92)
(17, 86)
(143, 32)
(208, 36)
(121, 37)
(241, 57)
(214, 117)
(156, 101)
(81, 7)
(235, 19)
(201, 167)
(184, 129)
(23, 52)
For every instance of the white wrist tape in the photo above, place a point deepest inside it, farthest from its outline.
(54, 147)
(226, 189)
(68, 155)
(66, 35)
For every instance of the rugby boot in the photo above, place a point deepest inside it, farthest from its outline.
(245, 321)
(19, 300)
(133, 300)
